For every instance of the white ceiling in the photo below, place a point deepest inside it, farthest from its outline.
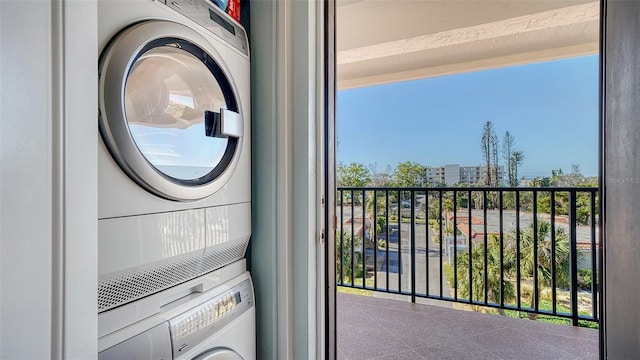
(387, 41)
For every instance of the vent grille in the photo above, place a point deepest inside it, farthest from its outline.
(223, 254)
(130, 285)
(126, 286)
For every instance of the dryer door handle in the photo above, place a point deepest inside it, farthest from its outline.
(223, 124)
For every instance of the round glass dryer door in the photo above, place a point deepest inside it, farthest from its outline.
(168, 112)
(219, 354)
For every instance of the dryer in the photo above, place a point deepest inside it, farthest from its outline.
(174, 152)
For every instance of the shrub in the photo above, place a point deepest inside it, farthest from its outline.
(584, 280)
(344, 261)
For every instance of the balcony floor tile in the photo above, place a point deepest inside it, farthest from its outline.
(457, 350)
(367, 342)
(379, 328)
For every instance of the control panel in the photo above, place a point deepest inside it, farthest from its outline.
(199, 323)
(207, 14)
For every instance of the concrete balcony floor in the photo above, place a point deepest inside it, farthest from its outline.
(376, 328)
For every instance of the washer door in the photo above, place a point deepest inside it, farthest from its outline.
(169, 113)
(219, 354)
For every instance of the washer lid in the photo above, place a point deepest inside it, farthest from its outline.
(168, 111)
(219, 354)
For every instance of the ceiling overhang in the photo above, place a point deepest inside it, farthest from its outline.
(488, 34)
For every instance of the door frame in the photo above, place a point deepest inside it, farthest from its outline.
(329, 179)
(329, 176)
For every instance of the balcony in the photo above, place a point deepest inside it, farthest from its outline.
(375, 328)
(510, 253)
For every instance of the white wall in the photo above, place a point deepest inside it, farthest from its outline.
(286, 202)
(48, 179)
(25, 180)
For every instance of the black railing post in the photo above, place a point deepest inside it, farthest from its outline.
(375, 239)
(501, 248)
(399, 256)
(441, 218)
(455, 245)
(413, 246)
(535, 294)
(486, 265)
(594, 261)
(553, 253)
(518, 293)
(353, 240)
(426, 234)
(470, 246)
(573, 258)
(386, 255)
(341, 243)
(364, 239)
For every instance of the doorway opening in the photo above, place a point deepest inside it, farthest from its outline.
(467, 178)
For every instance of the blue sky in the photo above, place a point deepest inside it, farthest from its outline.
(551, 109)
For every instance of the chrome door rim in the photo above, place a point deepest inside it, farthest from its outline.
(115, 64)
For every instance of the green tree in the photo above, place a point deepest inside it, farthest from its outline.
(495, 278)
(562, 202)
(447, 207)
(447, 203)
(380, 178)
(495, 169)
(574, 178)
(508, 143)
(544, 248)
(517, 158)
(488, 134)
(353, 175)
(541, 182)
(409, 174)
(544, 202)
(344, 263)
(380, 207)
(583, 203)
(509, 200)
(512, 157)
(380, 202)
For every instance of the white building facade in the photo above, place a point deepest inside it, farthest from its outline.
(451, 174)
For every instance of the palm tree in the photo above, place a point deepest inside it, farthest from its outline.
(496, 281)
(381, 206)
(381, 213)
(478, 199)
(544, 259)
(348, 258)
(447, 204)
(447, 207)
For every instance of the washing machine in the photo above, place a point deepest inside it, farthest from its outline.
(215, 325)
(174, 198)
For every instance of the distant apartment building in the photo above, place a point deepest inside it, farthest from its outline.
(451, 174)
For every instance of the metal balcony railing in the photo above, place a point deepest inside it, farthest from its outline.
(530, 250)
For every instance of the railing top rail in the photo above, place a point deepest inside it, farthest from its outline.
(473, 188)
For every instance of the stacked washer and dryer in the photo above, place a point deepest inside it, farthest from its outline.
(174, 182)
